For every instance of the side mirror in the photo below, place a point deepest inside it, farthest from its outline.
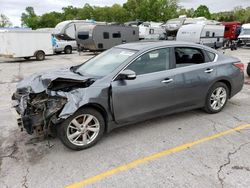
(127, 75)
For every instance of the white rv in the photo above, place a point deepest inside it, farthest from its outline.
(150, 28)
(173, 25)
(209, 35)
(245, 34)
(25, 44)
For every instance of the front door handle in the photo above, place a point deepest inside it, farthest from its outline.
(167, 80)
(209, 70)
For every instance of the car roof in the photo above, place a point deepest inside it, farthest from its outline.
(145, 45)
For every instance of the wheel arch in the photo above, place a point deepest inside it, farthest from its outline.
(68, 46)
(39, 51)
(227, 83)
(100, 109)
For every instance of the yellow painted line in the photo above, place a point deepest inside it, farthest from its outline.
(153, 157)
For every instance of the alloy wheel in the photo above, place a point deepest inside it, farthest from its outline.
(218, 98)
(83, 129)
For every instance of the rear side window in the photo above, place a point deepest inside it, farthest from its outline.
(211, 55)
(185, 56)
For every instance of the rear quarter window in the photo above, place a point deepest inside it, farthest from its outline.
(211, 55)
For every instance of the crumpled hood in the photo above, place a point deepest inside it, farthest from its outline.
(40, 82)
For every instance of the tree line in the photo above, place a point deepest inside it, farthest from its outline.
(143, 10)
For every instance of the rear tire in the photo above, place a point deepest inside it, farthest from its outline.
(217, 98)
(75, 135)
(40, 56)
(68, 50)
(248, 69)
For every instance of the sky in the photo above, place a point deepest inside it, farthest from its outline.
(14, 8)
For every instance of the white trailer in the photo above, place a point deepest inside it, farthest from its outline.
(66, 30)
(103, 37)
(150, 28)
(245, 34)
(25, 44)
(209, 35)
(173, 25)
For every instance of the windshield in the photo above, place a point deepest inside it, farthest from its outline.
(105, 63)
(245, 31)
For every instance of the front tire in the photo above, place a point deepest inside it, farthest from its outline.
(40, 56)
(68, 50)
(217, 98)
(82, 130)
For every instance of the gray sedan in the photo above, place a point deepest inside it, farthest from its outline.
(126, 84)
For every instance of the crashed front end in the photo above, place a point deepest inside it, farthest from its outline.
(45, 99)
(37, 111)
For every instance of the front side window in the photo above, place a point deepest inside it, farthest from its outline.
(185, 56)
(154, 61)
(245, 31)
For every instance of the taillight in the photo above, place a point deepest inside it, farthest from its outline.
(240, 66)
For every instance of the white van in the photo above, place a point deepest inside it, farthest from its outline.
(245, 34)
(25, 44)
(209, 35)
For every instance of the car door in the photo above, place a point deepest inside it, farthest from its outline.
(150, 93)
(193, 74)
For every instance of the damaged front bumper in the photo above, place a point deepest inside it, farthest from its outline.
(37, 112)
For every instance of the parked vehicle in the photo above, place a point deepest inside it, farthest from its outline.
(150, 28)
(102, 37)
(66, 30)
(173, 25)
(248, 69)
(232, 30)
(129, 83)
(25, 44)
(209, 35)
(65, 46)
(244, 36)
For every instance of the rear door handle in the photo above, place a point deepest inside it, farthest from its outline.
(167, 80)
(209, 70)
